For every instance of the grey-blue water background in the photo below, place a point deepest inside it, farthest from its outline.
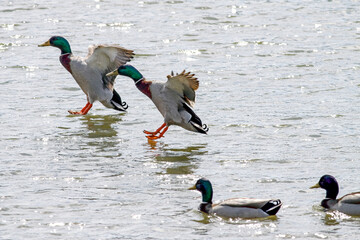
(279, 89)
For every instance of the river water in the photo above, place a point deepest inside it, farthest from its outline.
(279, 90)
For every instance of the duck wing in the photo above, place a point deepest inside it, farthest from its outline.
(106, 58)
(185, 84)
(244, 202)
(247, 207)
(351, 198)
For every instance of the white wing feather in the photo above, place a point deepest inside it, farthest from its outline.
(106, 58)
(184, 84)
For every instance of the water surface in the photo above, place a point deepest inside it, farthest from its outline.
(279, 90)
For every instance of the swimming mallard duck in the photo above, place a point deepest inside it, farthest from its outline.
(235, 207)
(174, 99)
(90, 71)
(348, 204)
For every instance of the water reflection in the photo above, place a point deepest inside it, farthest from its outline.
(263, 225)
(100, 125)
(206, 219)
(177, 160)
(98, 132)
(330, 219)
(335, 217)
(152, 144)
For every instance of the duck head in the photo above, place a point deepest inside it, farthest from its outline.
(330, 184)
(58, 42)
(128, 71)
(204, 186)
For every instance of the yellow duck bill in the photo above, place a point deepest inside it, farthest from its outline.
(113, 73)
(45, 44)
(315, 186)
(192, 188)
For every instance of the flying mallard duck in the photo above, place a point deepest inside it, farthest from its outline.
(348, 204)
(235, 207)
(174, 99)
(90, 71)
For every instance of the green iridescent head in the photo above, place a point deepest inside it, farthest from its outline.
(59, 42)
(128, 71)
(204, 186)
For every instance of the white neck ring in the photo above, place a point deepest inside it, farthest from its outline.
(139, 80)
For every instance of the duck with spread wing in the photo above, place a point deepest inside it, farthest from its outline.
(174, 99)
(90, 71)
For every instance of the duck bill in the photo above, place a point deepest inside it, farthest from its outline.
(113, 73)
(45, 44)
(315, 186)
(192, 188)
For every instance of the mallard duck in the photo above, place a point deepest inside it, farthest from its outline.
(348, 204)
(235, 207)
(174, 99)
(90, 71)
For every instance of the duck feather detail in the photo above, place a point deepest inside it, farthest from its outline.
(184, 84)
(105, 58)
(236, 212)
(351, 198)
(244, 202)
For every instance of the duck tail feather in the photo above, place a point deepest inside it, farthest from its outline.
(117, 103)
(195, 121)
(272, 206)
(200, 128)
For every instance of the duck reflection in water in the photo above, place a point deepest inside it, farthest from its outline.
(100, 126)
(178, 160)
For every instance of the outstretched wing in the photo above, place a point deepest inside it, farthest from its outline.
(184, 84)
(106, 58)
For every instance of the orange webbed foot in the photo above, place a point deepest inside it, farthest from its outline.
(149, 133)
(154, 135)
(75, 113)
(83, 111)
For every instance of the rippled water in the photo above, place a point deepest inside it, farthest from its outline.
(279, 90)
